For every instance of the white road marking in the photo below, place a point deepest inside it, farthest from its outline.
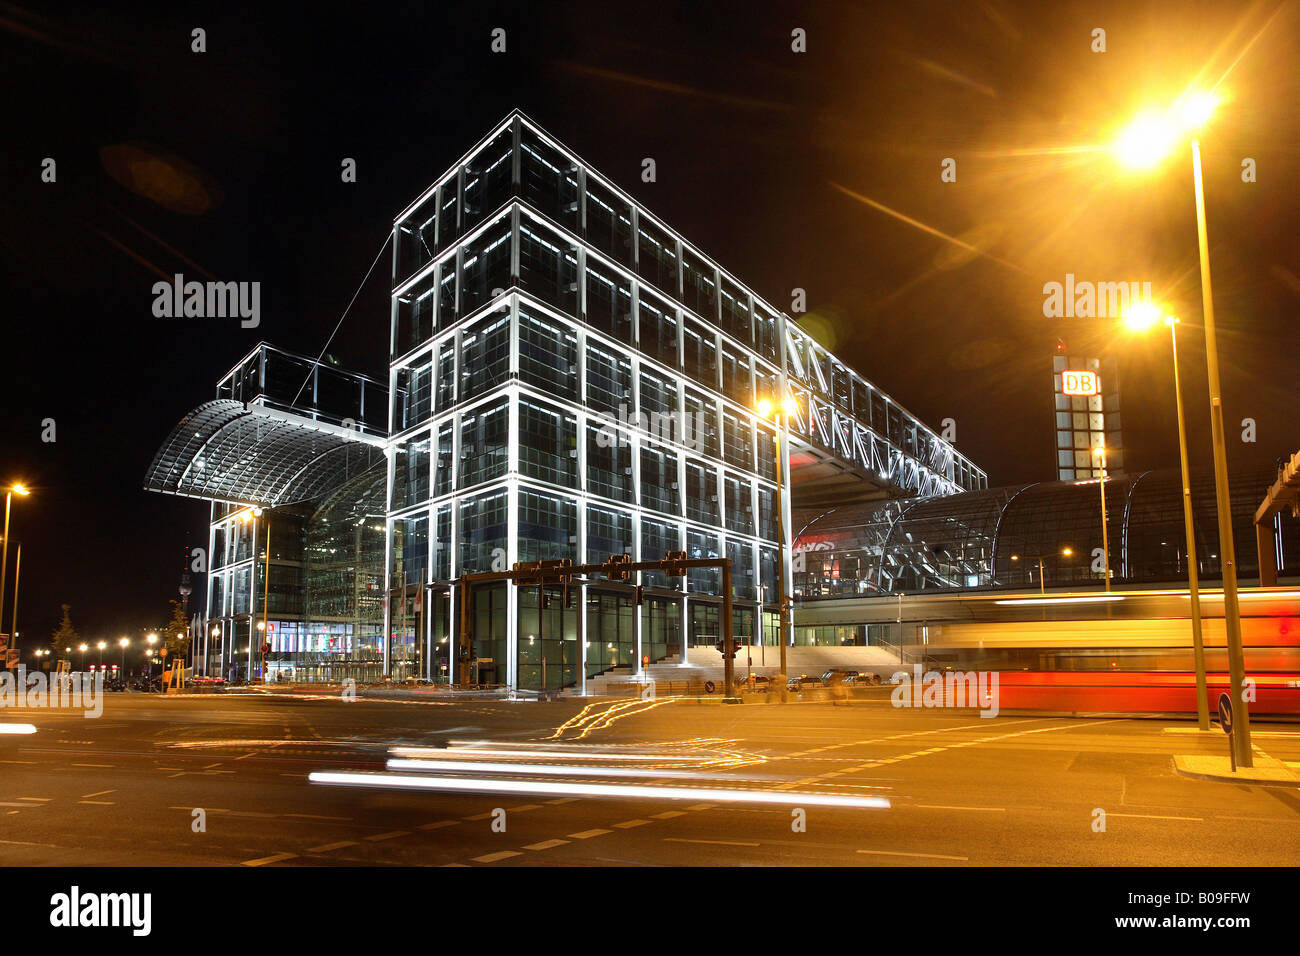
(588, 834)
(326, 847)
(928, 856)
(710, 842)
(545, 844)
(500, 855)
(273, 858)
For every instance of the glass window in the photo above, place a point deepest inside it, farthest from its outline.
(446, 375)
(699, 546)
(735, 313)
(548, 527)
(608, 532)
(700, 348)
(485, 266)
(416, 238)
(659, 480)
(609, 223)
(737, 445)
(484, 444)
(447, 293)
(483, 530)
(657, 253)
(548, 266)
(414, 386)
(657, 327)
(449, 213)
(485, 354)
(766, 451)
(609, 302)
(548, 355)
(549, 180)
(443, 459)
(740, 506)
(765, 327)
(487, 179)
(742, 579)
(701, 493)
(700, 424)
(766, 513)
(442, 543)
(548, 444)
(609, 381)
(609, 464)
(735, 377)
(657, 539)
(285, 376)
(699, 286)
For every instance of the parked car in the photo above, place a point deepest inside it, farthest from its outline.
(837, 675)
(802, 681)
(863, 680)
(756, 683)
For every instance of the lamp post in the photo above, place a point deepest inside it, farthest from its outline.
(1042, 577)
(22, 492)
(13, 628)
(1148, 140)
(101, 645)
(781, 419)
(1140, 318)
(1100, 452)
(122, 643)
(83, 648)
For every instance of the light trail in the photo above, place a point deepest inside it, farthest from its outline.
(537, 768)
(552, 788)
(438, 752)
(17, 728)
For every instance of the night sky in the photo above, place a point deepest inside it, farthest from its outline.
(226, 165)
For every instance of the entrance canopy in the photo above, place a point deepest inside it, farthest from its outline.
(246, 454)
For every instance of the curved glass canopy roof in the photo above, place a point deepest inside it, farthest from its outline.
(229, 451)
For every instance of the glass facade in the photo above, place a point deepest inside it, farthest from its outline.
(571, 379)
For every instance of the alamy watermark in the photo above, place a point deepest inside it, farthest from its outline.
(208, 300)
(947, 689)
(682, 429)
(73, 690)
(1084, 299)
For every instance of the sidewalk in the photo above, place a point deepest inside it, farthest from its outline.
(1266, 772)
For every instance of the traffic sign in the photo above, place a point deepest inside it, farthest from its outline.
(163, 652)
(266, 648)
(1225, 713)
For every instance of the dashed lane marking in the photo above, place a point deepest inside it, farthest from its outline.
(388, 836)
(326, 847)
(273, 858)
(927, 856)
(588, 834)
(628, 824)
(499, 855)
(545, 844)
(709, 842)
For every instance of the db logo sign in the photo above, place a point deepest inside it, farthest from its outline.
(1080, 382)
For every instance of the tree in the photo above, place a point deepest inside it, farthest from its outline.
(65, 635)
(176, 635)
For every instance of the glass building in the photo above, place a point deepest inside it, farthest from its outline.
(570, 378)
(996, 538)
(1085, 397)
(291, 456)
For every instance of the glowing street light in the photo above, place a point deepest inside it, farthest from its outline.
(17, 488)
(122, 643)
(1100, 452)
(1141, 318)
(1042, 576)
(1135, 147)
(781, 417)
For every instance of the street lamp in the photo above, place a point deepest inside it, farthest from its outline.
(1143, 145)
(781, 418)
(83, 648)
(122, 643)
(1100, 452)
(20, 490)
(101, 645)
(1042, 577)
(1141, 318)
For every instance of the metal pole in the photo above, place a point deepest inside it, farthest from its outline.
(1227, 552)
(1042, 587)
(1105, 536)
(13, 630)
(1193, 591)
(780, 553)
(4, 562)
(728, 638)
(266, 595)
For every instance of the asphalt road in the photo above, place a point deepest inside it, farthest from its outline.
(954, 789)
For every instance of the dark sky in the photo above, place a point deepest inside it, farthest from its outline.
(749, 138)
